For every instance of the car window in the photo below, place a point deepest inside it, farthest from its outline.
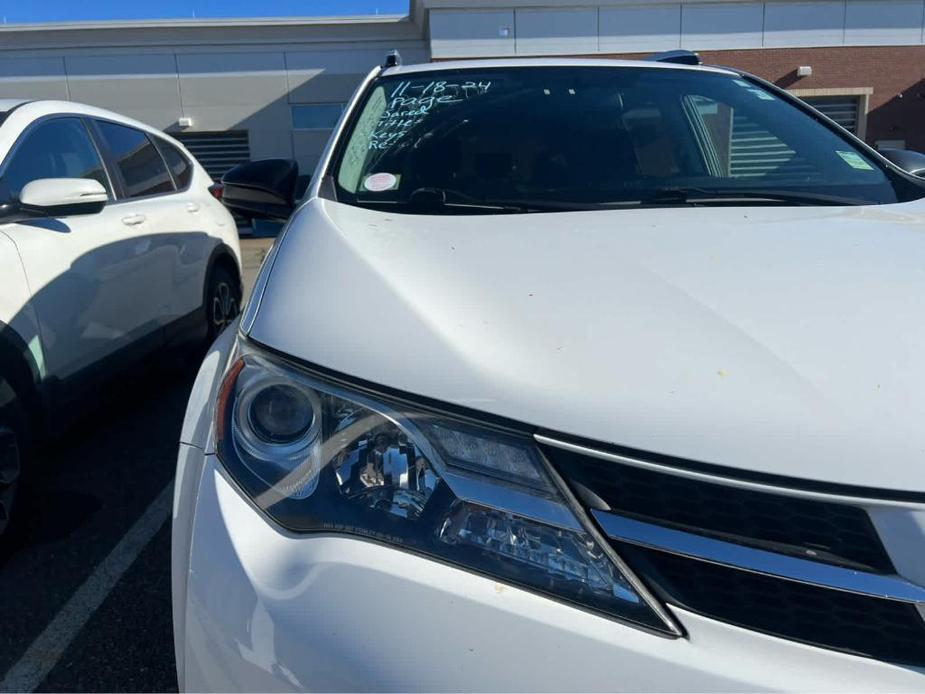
(56, 148)
(592, 135)
(178, 164)
(142, 168)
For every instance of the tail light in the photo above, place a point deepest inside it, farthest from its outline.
(216, 190)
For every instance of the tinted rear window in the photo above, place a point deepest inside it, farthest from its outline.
(179, 165)
(142, 168)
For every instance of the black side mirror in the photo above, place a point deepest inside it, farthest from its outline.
(263, 189)
(907, 160)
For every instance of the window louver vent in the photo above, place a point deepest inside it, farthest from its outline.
(218, 151)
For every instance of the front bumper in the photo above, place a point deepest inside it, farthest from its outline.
(259, 609)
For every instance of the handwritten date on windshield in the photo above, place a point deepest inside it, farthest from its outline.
(410, 103)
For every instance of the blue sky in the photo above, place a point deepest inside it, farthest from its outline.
(15, 11)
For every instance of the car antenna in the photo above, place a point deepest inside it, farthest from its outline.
(392, 59)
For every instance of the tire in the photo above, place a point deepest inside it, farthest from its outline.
(223, 301)
(12, 453)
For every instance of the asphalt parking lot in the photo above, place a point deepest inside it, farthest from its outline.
(85, 567)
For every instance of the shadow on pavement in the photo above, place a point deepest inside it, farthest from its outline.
(85, 491)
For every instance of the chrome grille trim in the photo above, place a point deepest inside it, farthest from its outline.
(867, 502)
(698, 547)
(770, 574)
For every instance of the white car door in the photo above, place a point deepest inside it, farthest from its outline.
(90, 288)
(145, 190)
(191, 221)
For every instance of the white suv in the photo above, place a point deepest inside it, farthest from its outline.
(111, 246)
(568, 375)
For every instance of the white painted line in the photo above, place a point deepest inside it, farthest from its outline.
(49, 646)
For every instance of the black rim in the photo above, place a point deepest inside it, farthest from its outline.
(224, 307)
(9, 472)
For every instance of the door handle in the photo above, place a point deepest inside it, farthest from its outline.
(133, 219)
(192, 207)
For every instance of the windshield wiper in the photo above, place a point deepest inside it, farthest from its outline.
(704, 196)
(454, 198)
(432, 199)
(436, 200)
(460, 207)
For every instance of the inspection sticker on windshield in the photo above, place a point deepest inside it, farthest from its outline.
(378, 182)
(855, 161)
(761, 95)
(753, 90)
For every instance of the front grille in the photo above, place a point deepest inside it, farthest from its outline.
(827, 532)
(770, 596)
(883, 629)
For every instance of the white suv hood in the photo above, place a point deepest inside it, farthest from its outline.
(778, 340)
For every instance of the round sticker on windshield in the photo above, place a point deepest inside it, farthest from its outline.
(379, 182)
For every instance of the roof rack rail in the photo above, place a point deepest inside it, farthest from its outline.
(392, 59)
(680, 57)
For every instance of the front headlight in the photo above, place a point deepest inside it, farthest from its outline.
(320, 457)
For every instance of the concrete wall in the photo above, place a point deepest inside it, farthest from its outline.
(537, 27)
(225, 82)
(246, 75)
(874, 48)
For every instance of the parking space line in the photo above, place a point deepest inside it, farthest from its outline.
(42, 655)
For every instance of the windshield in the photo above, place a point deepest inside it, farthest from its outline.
(490, 140)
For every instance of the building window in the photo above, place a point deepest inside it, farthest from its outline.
(844, 110)
(846, 106)
(315, 116)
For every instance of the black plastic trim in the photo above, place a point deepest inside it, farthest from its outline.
(863, 626)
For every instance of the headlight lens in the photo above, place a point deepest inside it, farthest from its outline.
(317, 457)
(280, 414)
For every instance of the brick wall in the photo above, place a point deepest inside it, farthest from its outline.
(896, 74)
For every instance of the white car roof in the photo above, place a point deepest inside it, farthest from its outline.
(43, 107)
(550, 62)
(7, 104)
(28, 111)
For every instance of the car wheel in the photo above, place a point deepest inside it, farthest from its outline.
(11, 449)
(223, 301)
